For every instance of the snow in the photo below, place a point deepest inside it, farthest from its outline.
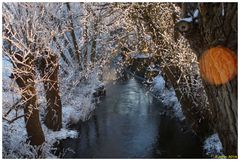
(190, 19)
(52, 137)
(159, 84)
(77, 102)
(14, 135)
(13, 138)
(187, 19)
(168, 96)
(7, 68)
(77, 94)
(213, 146)
(196, 13)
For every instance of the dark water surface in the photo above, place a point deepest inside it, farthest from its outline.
(129, 123)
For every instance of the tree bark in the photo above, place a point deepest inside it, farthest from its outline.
(25, 76)
(49, 73)
(217, 25)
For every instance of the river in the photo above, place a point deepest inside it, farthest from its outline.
(130, 123)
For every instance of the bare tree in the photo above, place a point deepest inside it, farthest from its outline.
(31, 28)
(17, 34)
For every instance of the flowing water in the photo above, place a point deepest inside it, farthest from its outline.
(129, 123)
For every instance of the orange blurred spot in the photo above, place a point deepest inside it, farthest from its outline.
(218, 65)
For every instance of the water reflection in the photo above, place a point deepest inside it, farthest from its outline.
(128, 124)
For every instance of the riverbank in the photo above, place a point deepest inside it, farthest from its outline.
(131, 123)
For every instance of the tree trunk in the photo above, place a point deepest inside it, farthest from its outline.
(94, 44)
(49, 73)
(86, 47)
(25, 76)
(199, 116)
(217, 25)
(59, 47)
(74, 39)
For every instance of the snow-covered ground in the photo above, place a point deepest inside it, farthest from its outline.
(212, 146)
(15, 136)
(168, 96)
(77, 101)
